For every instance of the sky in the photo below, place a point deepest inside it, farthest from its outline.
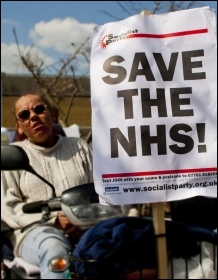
(55, 28)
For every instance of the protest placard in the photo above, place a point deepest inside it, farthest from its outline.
(154, 107)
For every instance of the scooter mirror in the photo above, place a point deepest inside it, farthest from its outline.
(14, 158)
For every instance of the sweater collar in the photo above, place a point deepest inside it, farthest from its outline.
(43, 149)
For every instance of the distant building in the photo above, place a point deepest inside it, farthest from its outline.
(3, 74)
(16, 85)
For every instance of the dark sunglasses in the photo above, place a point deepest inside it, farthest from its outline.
(25, 114)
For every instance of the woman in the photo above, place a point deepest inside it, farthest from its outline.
(63, 161)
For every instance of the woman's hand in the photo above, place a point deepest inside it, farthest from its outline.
(63, 223)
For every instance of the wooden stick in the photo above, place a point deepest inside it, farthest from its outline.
(145, 13)
(159, 228)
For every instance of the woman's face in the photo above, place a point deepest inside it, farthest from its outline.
(36, 125)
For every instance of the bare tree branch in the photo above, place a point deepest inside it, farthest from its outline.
(130, 8)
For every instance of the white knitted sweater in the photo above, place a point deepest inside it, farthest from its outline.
(67, 164)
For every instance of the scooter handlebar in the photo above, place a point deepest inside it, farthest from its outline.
(53, 204)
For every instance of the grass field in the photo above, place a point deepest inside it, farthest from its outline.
(80, 111)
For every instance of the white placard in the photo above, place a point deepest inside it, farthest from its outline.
(154, 107)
